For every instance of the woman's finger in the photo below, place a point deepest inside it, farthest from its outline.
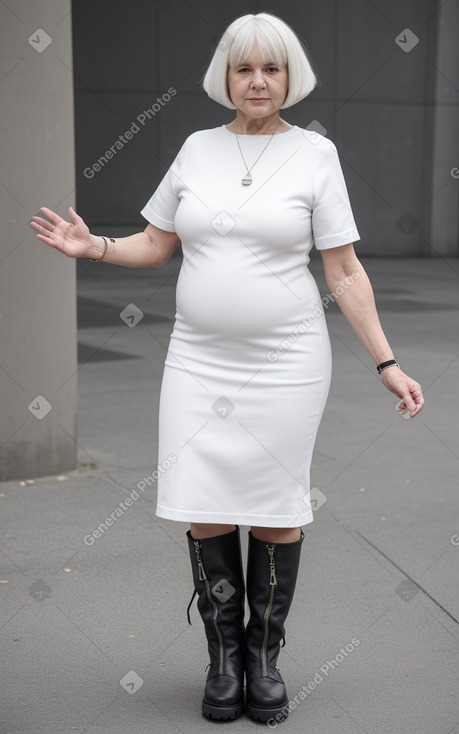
(43, 223)
(48, 231)
(417, 397)
(51, 215)
(40, 228)
(414, 400)
(74, 216)
(408, 402)
(48, 240)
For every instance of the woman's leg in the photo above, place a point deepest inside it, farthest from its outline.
(272, 569)
(276, 535)
(216, 562)
(199, 531)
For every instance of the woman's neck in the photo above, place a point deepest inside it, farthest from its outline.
(271, 125)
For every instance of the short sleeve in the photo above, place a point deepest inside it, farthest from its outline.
(160, 209)
(332, 218)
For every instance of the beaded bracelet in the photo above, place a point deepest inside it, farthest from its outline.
(384, 365)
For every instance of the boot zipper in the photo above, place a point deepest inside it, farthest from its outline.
(203, 577)
(272, 583)
(202, 573)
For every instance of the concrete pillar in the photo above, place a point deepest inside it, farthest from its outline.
(444, 205)
(38, 358)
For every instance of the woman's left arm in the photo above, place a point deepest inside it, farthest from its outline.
(347, 279)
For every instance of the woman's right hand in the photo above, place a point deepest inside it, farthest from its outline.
(72, 238)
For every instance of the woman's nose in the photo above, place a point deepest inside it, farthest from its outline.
(258, 79)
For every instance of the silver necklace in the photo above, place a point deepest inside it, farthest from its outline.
(247, 180)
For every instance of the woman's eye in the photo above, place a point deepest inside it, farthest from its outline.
(243, 69)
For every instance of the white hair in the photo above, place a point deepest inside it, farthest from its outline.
(278, 43)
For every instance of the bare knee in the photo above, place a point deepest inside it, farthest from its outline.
(199, 530)
(276, 535)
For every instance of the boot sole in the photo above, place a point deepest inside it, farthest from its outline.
(222, 713)
(268, 714)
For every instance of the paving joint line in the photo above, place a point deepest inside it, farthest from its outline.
(406, 575)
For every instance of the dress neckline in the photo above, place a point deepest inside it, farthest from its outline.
(248, 135)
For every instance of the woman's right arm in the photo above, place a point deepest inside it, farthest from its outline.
(149, 249)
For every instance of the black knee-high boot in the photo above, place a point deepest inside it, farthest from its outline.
(272, 570)
(219, 583)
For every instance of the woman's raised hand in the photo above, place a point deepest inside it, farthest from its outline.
(72, 238)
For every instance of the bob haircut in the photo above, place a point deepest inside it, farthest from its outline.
(278, 43)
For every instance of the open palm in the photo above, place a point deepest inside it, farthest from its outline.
(72, 238)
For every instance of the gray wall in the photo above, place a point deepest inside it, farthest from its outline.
(38, 365)
(393, 114)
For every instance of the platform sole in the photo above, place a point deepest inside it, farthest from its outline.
(222, 713)
(265, 714)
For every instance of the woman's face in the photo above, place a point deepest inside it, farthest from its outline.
(257, 89)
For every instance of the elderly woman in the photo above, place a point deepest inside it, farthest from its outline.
(248, 369)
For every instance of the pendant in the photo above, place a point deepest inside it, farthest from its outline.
(247, 180)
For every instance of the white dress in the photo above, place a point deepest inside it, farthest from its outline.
(248, 369)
